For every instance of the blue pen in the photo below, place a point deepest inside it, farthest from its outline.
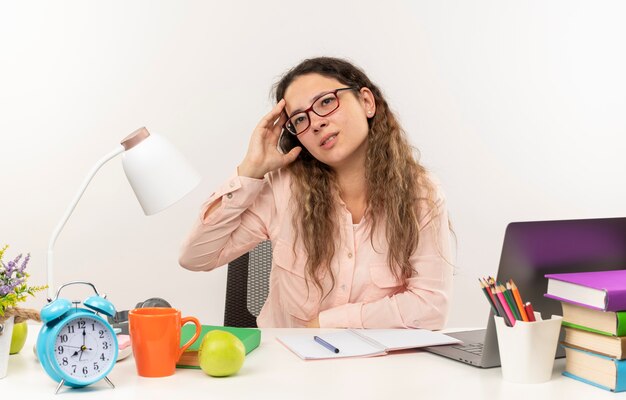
(326, 344)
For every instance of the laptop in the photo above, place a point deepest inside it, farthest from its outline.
(529, 251)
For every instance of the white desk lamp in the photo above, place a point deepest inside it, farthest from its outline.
(157, 172)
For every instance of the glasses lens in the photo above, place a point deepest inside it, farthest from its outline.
(297, 123)
(326, 104)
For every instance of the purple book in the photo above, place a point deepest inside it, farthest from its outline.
(600, 290)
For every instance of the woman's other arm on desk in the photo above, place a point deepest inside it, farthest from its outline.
(425, 302)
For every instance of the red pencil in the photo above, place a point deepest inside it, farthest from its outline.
(530, 312)
(488, 290)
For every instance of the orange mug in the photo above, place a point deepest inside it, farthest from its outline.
(155, 339)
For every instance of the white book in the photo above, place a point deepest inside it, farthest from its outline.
(362, 342)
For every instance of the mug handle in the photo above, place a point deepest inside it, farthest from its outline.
(196, 335)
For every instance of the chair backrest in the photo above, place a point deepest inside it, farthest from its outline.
(247, 286)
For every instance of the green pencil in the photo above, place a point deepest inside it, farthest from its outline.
(511, 302)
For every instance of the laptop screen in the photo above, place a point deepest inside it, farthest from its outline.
(534, 249)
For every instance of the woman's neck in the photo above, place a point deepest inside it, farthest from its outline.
(353, 191)
(352, 183)
(351, 175)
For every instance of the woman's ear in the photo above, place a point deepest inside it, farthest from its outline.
(368, 102)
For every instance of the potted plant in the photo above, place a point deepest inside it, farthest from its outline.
(13, 290)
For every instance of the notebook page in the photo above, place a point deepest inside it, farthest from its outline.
(349, 345)
(398, 339)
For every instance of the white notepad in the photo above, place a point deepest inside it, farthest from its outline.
(362, 342)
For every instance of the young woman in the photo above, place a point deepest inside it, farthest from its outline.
(359, 230)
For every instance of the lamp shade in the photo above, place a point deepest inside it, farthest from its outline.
(157, 172)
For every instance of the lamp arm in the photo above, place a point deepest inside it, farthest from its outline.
(55, 234)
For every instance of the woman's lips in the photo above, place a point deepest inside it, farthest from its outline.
(329, 140)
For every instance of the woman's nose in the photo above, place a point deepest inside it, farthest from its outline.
(318, 123)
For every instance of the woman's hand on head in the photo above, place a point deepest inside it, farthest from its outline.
(263, 155)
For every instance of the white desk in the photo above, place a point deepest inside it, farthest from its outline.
(273, 372)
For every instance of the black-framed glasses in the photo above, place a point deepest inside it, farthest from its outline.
(322, 106)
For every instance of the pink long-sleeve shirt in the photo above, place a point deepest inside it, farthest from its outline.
(366, 293)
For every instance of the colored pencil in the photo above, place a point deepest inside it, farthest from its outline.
(486, 283)
(489, 296)
(530, 312)
(501, 312)
(518, 300)
(504, 304)
(488, 289)
(510, 302)
(511, 298)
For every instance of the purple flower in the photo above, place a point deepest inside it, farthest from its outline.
(24, 263)
(17, 260)
(10, 267)
(12, 276)
(13, 286)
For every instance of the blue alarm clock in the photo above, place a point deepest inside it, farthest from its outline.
(76, 346)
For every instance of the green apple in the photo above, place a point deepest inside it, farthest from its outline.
(20, 331)
(221, 353)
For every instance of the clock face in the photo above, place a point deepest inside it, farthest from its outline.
(84, 349)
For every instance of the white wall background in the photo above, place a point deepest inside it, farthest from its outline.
(517, 106)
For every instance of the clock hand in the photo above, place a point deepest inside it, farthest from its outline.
(82, 348)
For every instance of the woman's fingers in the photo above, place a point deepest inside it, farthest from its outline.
(277, 128)
(263, 155)
(269, 120)
(292, 155)
(278, 125)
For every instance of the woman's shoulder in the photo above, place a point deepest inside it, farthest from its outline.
(430, 186)
(432, 200)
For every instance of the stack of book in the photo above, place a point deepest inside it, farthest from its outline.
(594, 317)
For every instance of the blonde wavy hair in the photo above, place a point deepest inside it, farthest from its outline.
(394, 181)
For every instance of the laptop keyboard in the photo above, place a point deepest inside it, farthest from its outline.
(474, 348)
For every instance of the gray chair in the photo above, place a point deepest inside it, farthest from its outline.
(247, 286)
